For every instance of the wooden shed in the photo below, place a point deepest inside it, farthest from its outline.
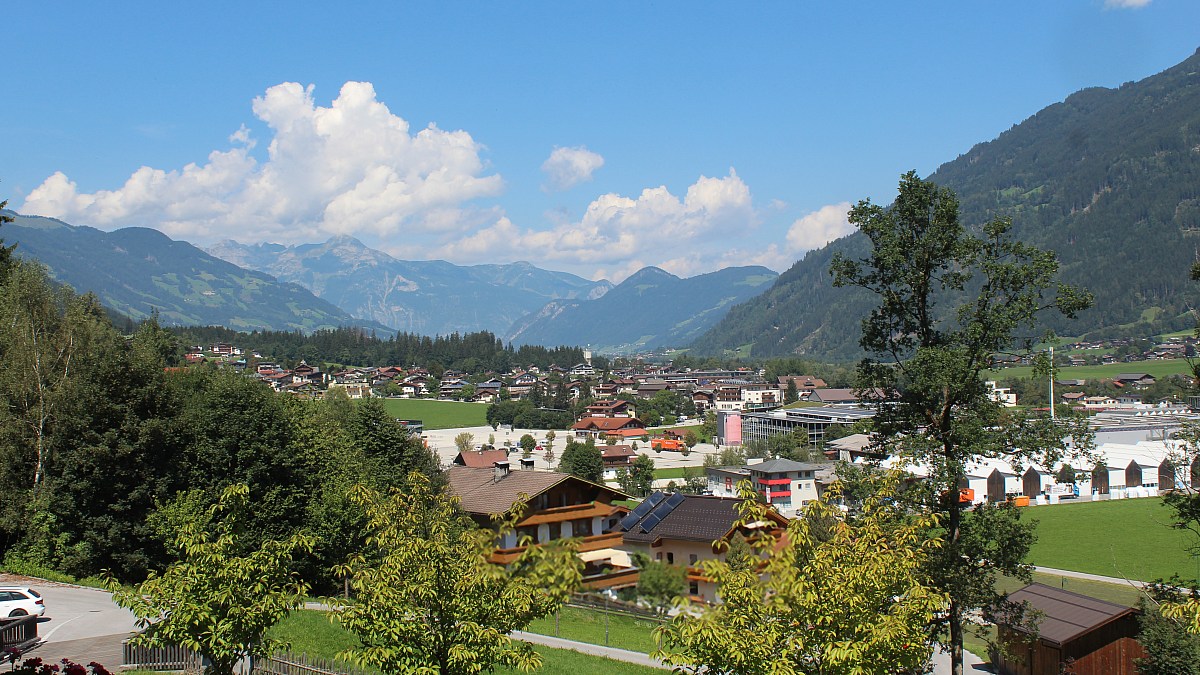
(1094, 636)
(1036, 482)
(1139, 474)
(1000, 484)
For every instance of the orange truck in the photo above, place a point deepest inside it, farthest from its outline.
(660, 444)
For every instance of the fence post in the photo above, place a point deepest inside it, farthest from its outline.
(606, 619)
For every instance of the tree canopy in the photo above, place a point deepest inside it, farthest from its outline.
(428, 600)
(220, 598)
(925, 365)
(826, 596)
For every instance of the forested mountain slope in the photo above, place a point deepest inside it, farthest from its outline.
(1108, 178)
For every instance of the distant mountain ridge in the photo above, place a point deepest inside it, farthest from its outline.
(137, 271)
(650, 310)
(1109, 179)
(431, 297)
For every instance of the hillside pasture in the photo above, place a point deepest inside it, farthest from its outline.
(438, 414)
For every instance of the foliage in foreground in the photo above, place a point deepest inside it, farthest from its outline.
(218, 599)
(1171, 646)
(926, 365)
(825, 596)
(428, 600)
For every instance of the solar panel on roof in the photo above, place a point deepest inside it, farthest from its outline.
(652, 520)
(673, 501)
(662, 511)
(642, 509)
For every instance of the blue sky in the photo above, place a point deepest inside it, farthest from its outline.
(589, 137)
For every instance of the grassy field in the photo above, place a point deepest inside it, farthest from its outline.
(438, 414)
(311, 633)
(1157, 368)
(1126, 538)
(675, 473)
(587, 625)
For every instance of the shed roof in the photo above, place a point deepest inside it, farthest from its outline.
(1067, 615)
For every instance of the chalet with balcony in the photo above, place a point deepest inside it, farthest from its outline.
(557, 505)
(783, 483)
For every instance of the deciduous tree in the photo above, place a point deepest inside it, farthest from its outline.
(583, 460)
(855, 599)
(660, 583)
(927, 361)
(428, 600)
(220, 598)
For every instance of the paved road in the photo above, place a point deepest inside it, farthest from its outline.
(81, 624)
(591, 649)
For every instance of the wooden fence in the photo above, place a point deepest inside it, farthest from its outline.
(18, 633)
(290, 664)
(187, 661)
(159, 658)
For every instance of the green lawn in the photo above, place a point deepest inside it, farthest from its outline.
(311, 633)
(1126, 538)
(587, 625)
(1157, 368)
(675, 472)
(438, 414)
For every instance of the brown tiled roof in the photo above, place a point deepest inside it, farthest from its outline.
(608, 423)
(1067, 615)
(485, 459)
(617, 451)
(482, 494)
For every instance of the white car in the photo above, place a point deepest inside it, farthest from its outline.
(21, 601)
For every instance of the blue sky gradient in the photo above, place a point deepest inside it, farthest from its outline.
(789, 111)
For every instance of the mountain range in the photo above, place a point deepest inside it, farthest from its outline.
(650, 310)
(430, 297)
(137, 271)
(1109, 179)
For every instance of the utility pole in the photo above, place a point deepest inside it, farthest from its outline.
(1051, 383)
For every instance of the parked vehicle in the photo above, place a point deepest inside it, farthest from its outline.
(21, 601)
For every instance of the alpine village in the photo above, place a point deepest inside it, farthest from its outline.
(964, 437)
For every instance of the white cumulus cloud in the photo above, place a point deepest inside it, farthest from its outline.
(351, 167)
(814, 230)
(1125, 4)
(654, 227)
(567, 167)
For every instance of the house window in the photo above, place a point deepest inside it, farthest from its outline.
(658, 556)
(692, 559)
(694, 587)
(670, 558)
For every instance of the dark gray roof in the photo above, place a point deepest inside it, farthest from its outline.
(1067, 615)
(697, 518)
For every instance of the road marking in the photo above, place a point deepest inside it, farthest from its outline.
(46, 637)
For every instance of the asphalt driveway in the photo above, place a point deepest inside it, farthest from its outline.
(80, 624)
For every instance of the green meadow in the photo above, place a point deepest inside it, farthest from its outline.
(438, 414)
